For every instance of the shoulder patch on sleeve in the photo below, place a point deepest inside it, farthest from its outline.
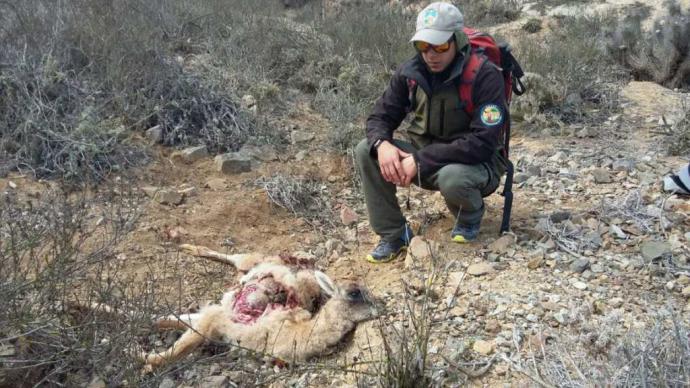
(491, 115)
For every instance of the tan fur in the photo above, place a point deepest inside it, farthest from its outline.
(293, 334)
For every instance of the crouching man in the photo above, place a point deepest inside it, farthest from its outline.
(456, 153)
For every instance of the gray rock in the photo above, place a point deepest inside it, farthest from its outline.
(301, 155)
(264, 153)
(502, 244)
(579, 265)
(192, 154)
(163, 196)
(167, 383)
(617, 232)
(233, 163)
(480, 269)
(585, 132)
(7, 351)
(601, 176)
(96, 382)
(215, 382)
(297, 137)
(593, 239)
(248, 101)
(559, 216)
(580, 285)
(534, 170)
(155, 134)
(623, 165)
(520, 177)
(654, 249)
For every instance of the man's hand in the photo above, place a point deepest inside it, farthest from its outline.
(389, 162)
(409, 167)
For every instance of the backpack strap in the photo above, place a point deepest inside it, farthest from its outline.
(469, 74)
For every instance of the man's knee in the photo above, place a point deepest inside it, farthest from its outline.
(457, 180)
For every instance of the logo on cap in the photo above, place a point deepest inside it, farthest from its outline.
(429, 17)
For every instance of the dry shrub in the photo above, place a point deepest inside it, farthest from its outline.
(77, 75)
(304, 197)
(575, 67)
(54, 251)
(603, 354)
(661, 55)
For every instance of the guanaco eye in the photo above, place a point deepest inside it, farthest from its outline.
(355, 294)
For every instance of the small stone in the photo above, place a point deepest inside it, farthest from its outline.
(579, 265)
(654, 249)
(460, 310)
(12, 185)
(7, 351)
(248, 101)
(233, 163)
(96, 382)
(559, 216)
(686, 291)
(188, 191)
(535, 262)
(155, 134)
(333, 245)
(623, 165)
(348, 216)
(297, 137)
(163, 196)
(480, 269)
(300, 155)
(670, 285)
(192, 154)
(580, 285)
(616, 302)
(601, 176)
(214, 381)
(501, 369)
(617, 232)
(585, 132)
(502, 244)
(520, 177)
(483, 347)
(167, 383)
(421, 248)
(561, 317)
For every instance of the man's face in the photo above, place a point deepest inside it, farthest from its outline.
(437, 62)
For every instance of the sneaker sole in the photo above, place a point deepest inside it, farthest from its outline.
(462, 240)
(388, 259)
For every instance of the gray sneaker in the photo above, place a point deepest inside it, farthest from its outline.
(386, 251)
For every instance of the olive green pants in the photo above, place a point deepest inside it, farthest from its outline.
(462, 186)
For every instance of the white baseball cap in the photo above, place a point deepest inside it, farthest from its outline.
(437, 23)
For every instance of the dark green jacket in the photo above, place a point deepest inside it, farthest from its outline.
(441, 128)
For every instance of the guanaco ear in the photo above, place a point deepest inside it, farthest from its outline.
(326, 283)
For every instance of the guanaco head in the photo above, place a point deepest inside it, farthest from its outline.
(353, 300)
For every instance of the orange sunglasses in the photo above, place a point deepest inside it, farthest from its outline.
(423, 47)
